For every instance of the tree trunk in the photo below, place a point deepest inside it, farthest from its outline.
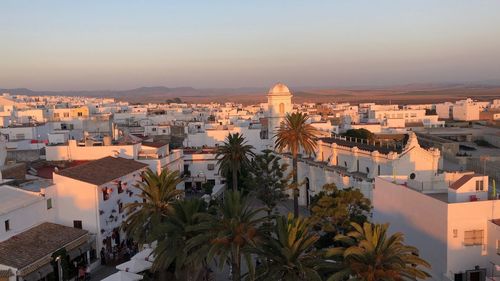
(236, 265)
(235, 179)
(295, 186)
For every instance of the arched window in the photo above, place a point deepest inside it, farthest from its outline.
(282, 108)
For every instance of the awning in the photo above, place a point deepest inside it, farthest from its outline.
(134, 266)
(146, 255)
(39, 273)
(79, 250)
(123, 276)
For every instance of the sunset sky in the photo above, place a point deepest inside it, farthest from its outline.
(70, 45)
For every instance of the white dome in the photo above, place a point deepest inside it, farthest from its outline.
(279, 89)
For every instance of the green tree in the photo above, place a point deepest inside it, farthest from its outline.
(288, 252)
(157, 193)
(295, 133)
(266, 179)
(230, 233)
(234, 155)
(360, 134)
(173, 236)
(371, 254)
(335, 209)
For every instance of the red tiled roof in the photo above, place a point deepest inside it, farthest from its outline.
(103, 170)
(461, 181)
(46, 171)
(496, 221)
(156, 144)
(33, 244)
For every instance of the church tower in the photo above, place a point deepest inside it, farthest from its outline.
(279, 100)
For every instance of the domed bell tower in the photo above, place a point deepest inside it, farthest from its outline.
(279, 100)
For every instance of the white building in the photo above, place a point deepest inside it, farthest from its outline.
(451, 222)
(91, 196)
(157, 155)
(466, 110)
(279, 100)
(353, 163)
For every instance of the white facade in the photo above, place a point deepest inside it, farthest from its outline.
(453, 236)
(82, 201)
(279, 100)
(21, 210)
(466, 110)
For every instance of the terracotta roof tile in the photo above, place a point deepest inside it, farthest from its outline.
(35, 243)
(103, 170)
(461, 181)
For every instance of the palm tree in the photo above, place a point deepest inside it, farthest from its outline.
(294, 134)
(158, 192)
(372, 255)
(288, 253)
(230, 234)
(233, 156)
(177, 231)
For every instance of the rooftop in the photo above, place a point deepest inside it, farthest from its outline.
(156, 144)
(103, 170)
(463, 180)
(12, 198)
(34, 244)
(364, 146)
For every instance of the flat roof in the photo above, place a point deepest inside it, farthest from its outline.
(12, 198)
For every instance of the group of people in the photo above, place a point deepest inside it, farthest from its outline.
(119, 253)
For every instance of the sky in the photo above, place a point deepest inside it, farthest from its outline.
(77, 45)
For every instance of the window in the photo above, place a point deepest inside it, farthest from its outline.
(473, 237)
(120, 207)
(56, 115)
(210, 167)
(164, 131)
(80, 114)
(455, 233)
(77, 224)
(282, 108)
(412, 176)
(49, 203)
(120, 187)
(378, 170)
(367, 170)
(480, 185)
(7, 225)
(105, 194)
(19, 136)
(66, 114)
(153, 129)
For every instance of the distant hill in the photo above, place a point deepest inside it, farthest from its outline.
(410, 93)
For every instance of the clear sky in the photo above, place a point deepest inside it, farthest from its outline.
(59, 45)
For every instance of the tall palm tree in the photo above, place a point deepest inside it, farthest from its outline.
(177, 231)
(233, 156)
(372, 255)
(230, 234)
(294, 134)
(288, 253)
(157, 193)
